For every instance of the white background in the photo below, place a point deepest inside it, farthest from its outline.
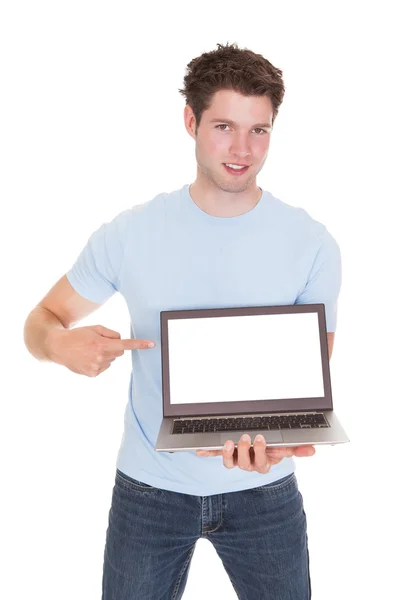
(91, 124)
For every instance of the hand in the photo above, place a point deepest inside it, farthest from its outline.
(258, 458)
(89, 350)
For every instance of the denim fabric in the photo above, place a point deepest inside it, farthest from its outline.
(260, 534)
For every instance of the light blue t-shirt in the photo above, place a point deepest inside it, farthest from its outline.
(168, 254)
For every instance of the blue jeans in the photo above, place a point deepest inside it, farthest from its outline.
(260, 534)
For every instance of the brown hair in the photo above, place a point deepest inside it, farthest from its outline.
(233, 68)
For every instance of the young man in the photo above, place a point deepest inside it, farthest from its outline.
(221, 241)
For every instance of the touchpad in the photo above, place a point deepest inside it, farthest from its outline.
(270, 436)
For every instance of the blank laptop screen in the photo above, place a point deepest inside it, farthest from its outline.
(250, 357)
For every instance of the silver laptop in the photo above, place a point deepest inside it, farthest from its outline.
(258, 369)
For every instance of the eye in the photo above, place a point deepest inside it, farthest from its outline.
(256, 129)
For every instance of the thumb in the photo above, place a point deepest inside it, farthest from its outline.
(305, 450)
(110, 333)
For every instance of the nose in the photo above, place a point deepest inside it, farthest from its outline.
(240, 148)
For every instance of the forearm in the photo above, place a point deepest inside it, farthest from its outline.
(39, 325)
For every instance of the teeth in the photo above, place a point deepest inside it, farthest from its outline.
(235, 166)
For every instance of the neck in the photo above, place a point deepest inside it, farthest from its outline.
(220, 202)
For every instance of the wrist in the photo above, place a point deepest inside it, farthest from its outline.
(52, 343)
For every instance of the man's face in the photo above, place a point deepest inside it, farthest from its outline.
(244, 142)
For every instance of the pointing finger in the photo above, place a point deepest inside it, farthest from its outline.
(131, 344)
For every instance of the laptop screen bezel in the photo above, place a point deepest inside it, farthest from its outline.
(245, 406)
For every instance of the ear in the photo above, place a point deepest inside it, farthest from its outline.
(190, 121)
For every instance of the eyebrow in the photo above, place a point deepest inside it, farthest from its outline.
(235, 124)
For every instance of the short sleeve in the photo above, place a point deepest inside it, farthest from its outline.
(324, 282)
(95, 273)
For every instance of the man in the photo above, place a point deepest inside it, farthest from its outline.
(221, 241)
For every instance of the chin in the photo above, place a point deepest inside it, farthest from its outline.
(237, 185)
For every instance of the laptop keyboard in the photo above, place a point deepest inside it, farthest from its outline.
(269, 422)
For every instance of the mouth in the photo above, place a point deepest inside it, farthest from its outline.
(237, 172)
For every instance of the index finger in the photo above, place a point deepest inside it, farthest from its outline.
(130, 344)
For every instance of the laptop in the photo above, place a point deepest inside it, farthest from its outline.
(257, 369)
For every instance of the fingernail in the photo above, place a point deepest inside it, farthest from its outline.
(246, 438)
(259, 438)
(228, 445)
(151, 345)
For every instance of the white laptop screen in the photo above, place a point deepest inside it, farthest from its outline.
(250, 357)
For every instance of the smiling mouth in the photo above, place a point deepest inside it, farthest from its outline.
(236, 171)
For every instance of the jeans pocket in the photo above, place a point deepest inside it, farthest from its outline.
(278, 485)
(124, 480)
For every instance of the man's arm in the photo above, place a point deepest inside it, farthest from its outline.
(330, 343)
(61, 308)
(84, 350)
(324, 283)
(64, 302)
(89, 283)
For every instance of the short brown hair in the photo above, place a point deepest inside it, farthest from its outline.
(233, 68)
